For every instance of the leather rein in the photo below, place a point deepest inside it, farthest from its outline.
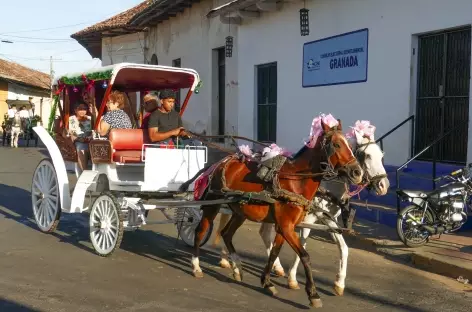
(328, 172)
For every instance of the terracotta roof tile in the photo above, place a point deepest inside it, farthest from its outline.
(19, 73)
(117, 21)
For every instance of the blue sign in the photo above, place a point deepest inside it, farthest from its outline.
(336, 60)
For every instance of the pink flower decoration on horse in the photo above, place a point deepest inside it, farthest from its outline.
(275, 150)
(246, 150)
(317, 129)
(363, 127)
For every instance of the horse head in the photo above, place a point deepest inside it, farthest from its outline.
(338, 150)
(370, 156)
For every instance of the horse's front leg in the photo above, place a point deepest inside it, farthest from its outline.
(339, 283)
(227, 234)
(288, 232)
(292, 274)
(267, 235)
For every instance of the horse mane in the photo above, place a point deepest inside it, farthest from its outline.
(300, 152)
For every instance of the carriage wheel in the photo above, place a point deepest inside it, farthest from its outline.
(188, 220)
(45, 196)
(106, 224)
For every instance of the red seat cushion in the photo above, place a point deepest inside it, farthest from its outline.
(127, 145)
(127, 139)
(127, 156)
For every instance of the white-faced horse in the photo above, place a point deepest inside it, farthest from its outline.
(370, 158)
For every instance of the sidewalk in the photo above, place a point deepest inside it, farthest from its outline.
(451, 255)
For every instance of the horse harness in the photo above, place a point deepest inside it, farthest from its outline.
(269, 171)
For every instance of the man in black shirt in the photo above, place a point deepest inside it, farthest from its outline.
(165, 123)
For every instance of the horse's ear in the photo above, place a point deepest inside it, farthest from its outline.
(325, 127)
(340, 126)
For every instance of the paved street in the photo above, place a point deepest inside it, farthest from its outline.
(151, 272)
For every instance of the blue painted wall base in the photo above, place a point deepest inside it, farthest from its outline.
(417, 176)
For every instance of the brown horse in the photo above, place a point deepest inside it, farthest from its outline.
(298, 180)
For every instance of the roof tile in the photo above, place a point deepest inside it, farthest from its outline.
(19, 73)
(117, 21)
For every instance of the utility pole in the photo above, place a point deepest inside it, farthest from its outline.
(51, 76)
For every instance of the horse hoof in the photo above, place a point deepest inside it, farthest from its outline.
(198, 274)
(316, 303)
(273, 291)
(237, 277)
(225, 264)
(279, 272)
(338, 291)
(293, 285)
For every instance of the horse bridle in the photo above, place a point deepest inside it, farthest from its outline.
(330, 170)
(360, 154)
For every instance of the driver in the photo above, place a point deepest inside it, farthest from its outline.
(165, 123)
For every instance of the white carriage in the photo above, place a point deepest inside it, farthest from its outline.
(127, 175)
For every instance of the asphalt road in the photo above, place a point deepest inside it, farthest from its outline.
(152, 272)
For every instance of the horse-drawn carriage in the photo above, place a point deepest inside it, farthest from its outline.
(26, 129)
(128, 175)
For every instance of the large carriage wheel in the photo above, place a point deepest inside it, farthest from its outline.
(106, 224)
(187, 221)
(45, 196)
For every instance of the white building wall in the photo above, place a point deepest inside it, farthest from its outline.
(40, 99)
(191, 36)
(384, 99)
(126, 48)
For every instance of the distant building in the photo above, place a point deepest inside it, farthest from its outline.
(377, 60)
(23, 86)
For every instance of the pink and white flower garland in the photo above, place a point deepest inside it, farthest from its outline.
(363, 127)
(316, 128)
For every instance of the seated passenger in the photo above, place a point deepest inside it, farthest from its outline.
(115, 117)
(150, 105)
(165, 123)
(80, 130)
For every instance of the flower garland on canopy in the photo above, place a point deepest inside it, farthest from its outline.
(86, 78)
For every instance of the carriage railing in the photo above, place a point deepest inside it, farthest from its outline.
(432, 145)
(412, 132)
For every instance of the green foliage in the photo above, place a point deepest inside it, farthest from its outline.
(92, 76)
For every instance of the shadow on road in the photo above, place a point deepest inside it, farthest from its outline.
(168, 251)
(15, 204)
(11, 306)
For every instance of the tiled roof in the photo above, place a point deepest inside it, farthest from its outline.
(18, 73)
(117, 21)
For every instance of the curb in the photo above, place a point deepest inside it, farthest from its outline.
(417, 259)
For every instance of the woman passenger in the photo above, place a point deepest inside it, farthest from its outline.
(80, 130)
(115, 117)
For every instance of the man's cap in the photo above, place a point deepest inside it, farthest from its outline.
(149, 97)
(165, 94)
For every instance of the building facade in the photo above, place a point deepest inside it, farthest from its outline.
(376, 60)
(22, 86)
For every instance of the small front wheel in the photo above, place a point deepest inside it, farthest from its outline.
(106, 224)
(187, 221)
(409, 223)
